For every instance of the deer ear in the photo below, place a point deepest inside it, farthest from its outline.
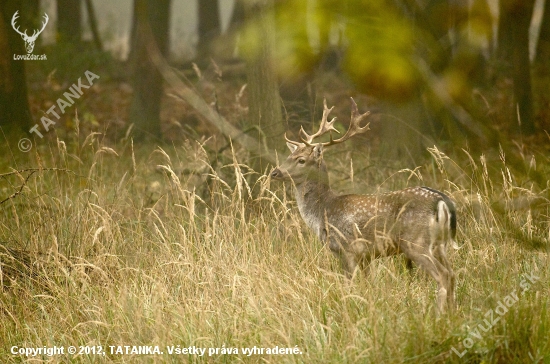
(318, 151)
(292, 147)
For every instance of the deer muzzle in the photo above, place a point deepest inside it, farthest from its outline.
(278, 174)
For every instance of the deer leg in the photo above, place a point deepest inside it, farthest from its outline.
(442, 257)
(440, 236)
(348, 259)
(349, 263)
(425, 259)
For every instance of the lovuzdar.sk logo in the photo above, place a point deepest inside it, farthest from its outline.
(28, 39)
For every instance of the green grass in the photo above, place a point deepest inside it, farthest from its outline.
(106, 248)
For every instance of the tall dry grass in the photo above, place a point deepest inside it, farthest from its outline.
(140, 245)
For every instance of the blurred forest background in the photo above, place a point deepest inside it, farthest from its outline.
(468, 73)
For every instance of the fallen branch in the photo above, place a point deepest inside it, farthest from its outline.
(201, 106)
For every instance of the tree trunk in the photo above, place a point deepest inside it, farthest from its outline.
(522, 12)
(14, 104)
(226, 45)
(209, 27)
(238, 16)
(297, 73)
(69, 21)
(264, 115)
(30, 15)
(543, 47)
(513, 52)
(133, 35)
(93, 24)
(151, 30)
(505, 32)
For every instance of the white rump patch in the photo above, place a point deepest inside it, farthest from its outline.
(443, 214)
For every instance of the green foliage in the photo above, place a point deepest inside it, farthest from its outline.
(380, 54)
(382, 42)
(378, 42)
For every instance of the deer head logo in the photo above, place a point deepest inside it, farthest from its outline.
(29, 40)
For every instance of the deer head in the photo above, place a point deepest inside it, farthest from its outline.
(29, 40)
(305, 162)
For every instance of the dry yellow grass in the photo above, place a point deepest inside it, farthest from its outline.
(111, 250)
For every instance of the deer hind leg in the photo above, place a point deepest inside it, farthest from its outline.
(440, 237)
(451, 284)
(421, 255)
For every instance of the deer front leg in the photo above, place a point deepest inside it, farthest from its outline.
(349, 263)
(347, 259)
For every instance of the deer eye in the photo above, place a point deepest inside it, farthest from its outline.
(301, 161)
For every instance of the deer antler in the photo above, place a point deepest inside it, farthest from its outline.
(325, 127)
(328, 126)
(354, 125)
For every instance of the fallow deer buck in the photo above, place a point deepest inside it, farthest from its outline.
(419, 222)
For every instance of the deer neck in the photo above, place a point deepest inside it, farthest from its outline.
(312, 197)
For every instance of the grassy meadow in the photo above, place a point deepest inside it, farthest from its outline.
(109, 245)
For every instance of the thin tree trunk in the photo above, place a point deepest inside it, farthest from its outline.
(29, 11)
(505, 31)
(14, 104)
(93, 24)
(265, 115)
(133, 35)
(523, 11)
(238, 16)
(69, 23)
(543, 47)
(230, 37)
(151, 30)
(209, 26)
